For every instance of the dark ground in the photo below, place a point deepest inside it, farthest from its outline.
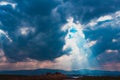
(56, 76)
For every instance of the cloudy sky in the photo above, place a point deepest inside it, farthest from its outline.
(31, 34)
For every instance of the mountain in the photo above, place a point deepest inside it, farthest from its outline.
(69, 73)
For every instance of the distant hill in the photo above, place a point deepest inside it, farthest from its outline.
(69, 73)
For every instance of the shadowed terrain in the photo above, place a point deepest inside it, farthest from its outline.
(55, 76)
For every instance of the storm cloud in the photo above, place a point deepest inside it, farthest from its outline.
(34, 27)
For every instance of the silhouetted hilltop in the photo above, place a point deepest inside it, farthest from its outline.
(56, 76)
(48, 76)
(69, 73)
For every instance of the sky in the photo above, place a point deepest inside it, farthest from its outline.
(34, 34)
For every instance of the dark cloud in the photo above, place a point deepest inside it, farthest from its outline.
(36, 7)
(85, 10)
(45, 43)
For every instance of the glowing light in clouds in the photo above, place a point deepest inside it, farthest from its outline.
(75, 41)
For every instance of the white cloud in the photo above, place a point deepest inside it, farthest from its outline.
(75, 40)
(91, 43)
(94, 22)
(117, 14)
(113, 20)
(71, 43)
(104, 18)
(5, 34)
(114, 40)
(63, 62)
(4, 3)
(26, 30)
(111, 51)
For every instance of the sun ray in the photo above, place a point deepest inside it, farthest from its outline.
(76, 42)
